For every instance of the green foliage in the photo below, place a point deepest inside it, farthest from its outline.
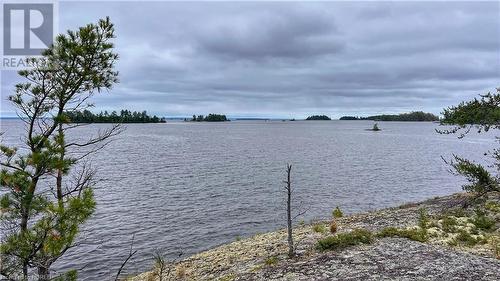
(412, 234)
(375, 127)
(71, 275)
(125, 116)
(483, 222)
(343, 240)
(423, 219)
(483, 113)
(449, 224)
(480, 180)
(318, 117)
(43, 227)
(319, 228)
(492, 206)
(466, 239)
(337, 212)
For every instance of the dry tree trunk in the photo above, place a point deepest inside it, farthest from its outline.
(288, 189)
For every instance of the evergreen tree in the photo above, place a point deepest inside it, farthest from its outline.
(44, 217)
(482, 114)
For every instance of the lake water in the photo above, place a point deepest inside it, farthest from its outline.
(188, 187)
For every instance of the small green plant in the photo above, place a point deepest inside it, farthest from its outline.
(495, 246)
(465, 238)
(483, 222)
(456, 212)
(238, 238)
(423, 220)
(412, 234)
(492, 206)
(375, 127)
(337, 212)
(452, 242)
(319, 228)
(271, 261)
(343, 240)
(449, 224)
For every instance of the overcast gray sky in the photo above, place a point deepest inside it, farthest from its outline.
(293, 59)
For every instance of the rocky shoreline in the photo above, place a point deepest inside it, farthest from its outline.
(457, 244)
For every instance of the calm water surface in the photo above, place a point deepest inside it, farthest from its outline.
(192, 186)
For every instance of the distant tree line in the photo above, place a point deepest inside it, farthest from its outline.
(412, 116)
(318, 117)
(125, 116)
(210, 118)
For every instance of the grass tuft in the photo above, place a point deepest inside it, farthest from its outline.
(465, 238)
(271, 261)
(319, 228)
(343, 240)
(419, 235)
(449, 224)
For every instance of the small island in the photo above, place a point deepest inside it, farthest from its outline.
(125, 116)
(419, 116)
(209, 118)
(318, 117)
(375, 128)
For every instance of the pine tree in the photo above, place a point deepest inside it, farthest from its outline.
(44, 217)
(482, 115)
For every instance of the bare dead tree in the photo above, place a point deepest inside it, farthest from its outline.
(290, 218)
(288, 188)
(164, 266)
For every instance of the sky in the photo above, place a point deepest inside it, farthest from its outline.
(295, 59)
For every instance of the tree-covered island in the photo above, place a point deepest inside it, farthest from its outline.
(412, 116)
(318, 117)
(209, 118)
(125, 116)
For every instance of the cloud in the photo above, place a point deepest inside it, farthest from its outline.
(270, 35)
(294, 59)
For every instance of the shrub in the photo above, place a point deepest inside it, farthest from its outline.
(423, 219)
(465, 238)
(337, 213)
(412, 234)
(319, 228)
(481, 221)
(449, 224)
(343, 240)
